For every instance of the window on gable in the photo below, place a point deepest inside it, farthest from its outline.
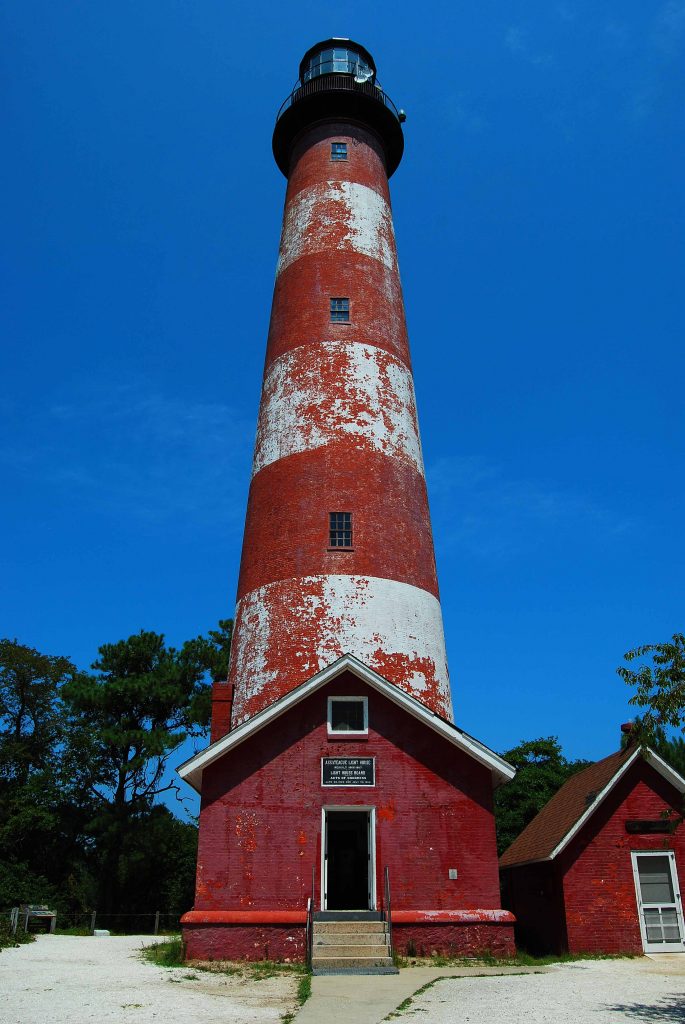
(348, 715)
(340, 529)
(340, 310)
(338, 151)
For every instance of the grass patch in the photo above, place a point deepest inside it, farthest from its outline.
(9, 941)
(254, 970)
(170, 953)
(406, 1003)
(528, 960)
(522, 959)
(304, 990)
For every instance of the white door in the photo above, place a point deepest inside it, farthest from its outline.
(658, 902)
(348, 858)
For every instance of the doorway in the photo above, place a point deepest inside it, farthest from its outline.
(658, 902)
(348, 859)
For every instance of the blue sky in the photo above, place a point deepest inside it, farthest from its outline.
(539, 215)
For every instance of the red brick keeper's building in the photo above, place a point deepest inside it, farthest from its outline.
(598, 869)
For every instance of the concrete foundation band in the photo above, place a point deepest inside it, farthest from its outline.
(287, 942)
(287, 631)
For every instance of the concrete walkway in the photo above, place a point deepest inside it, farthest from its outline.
(368, 999)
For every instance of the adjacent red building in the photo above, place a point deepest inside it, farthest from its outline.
(598, 869)
(334, 753)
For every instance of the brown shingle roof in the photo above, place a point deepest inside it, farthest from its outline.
(544, 833)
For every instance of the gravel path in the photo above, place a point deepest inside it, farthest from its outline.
(64, 979)
(587, 992)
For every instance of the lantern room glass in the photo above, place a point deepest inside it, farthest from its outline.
(337, 60)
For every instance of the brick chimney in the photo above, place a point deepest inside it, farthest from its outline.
(222, 703)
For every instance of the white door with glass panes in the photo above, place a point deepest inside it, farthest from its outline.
(658, 901)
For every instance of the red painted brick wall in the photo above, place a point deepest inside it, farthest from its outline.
(238, 942)
(534, 894)
(260, 823)
(585, 901)
(599, 890)
(454, 940)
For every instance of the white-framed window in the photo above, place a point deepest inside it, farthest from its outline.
(348, 716)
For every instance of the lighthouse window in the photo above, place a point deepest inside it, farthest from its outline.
(348, 715)
(340, 310)
(340, 529)
(338, 151)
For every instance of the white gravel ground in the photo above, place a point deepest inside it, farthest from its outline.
(586, 992)
(64, 979)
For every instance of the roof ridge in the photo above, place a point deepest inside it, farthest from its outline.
(562, 812)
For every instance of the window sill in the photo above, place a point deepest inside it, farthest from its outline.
(348, 737)
(339, 549)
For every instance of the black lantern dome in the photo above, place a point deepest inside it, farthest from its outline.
(338, 82)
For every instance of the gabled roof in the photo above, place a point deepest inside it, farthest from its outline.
(553, 828)
(191, 770)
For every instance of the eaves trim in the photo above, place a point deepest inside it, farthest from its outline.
(191, 770)
(651, 757)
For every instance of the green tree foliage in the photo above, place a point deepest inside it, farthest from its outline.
(83, 762)
(659, 681)
(31, 723)
(541, 769)
(35, 819)
(672, 749)
(125, 721)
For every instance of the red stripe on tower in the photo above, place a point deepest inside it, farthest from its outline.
(338, 553)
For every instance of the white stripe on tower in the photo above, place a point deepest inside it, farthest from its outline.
(338, 216)
(389, 626)
(317, 394)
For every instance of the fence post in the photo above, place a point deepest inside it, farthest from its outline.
(157, 923)
(14, 919)
(92, 922)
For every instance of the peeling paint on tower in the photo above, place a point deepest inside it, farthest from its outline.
(314, 395)
(287, 631)
(338, 431)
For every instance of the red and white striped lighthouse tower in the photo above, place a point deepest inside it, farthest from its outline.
(338, 553)
(340, 772)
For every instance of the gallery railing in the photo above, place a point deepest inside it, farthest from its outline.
(338, 83)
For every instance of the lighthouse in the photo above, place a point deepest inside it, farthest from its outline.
(336, 775)
(338, 552)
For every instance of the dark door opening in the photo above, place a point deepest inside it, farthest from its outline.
(347, 860)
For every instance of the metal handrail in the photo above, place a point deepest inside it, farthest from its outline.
(309, 930)
(388, 910)
(326, 83)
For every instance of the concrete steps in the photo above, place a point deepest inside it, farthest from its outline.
(351, 947)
